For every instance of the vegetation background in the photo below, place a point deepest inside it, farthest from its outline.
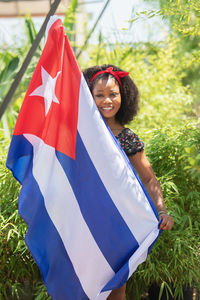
(167, 74)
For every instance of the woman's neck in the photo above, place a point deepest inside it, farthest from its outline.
(114, 126)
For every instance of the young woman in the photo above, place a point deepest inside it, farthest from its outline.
(116, 97)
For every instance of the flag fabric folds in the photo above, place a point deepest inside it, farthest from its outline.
(90, 220)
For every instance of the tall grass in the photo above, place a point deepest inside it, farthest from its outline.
(174, 262)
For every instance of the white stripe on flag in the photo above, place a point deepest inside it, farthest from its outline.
(113, 168)
(52, 20)
(61, 204)
(140, 255)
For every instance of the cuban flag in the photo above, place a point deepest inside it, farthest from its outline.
(90, 220)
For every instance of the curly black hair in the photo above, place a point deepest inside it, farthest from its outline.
(129, 92)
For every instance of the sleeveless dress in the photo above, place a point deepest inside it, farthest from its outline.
(130, 142)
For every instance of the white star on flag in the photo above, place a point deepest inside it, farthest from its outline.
(47, 89)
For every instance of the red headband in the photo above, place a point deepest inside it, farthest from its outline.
(116, 74)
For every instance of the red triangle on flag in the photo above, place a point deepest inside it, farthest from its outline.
(50, 107)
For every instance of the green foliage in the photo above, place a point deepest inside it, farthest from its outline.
(164, 100)
(184, 21)
(174, 261)
(70, 20)
(184, 15)
(9, 64)
(30, 29)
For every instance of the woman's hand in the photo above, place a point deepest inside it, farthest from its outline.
(167, 222)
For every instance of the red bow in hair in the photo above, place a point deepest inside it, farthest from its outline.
(116, 74)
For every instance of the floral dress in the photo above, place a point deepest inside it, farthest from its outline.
(130, 142)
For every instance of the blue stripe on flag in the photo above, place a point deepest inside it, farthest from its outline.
(42, 237)
(121, 277)
(109, 229)
(19, 157)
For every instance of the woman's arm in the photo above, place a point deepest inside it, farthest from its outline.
(143, 168)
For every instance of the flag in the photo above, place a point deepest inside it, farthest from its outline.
(90, 219)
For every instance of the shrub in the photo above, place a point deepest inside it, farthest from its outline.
(174, 261)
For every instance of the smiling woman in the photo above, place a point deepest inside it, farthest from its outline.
(122, 84)
(116, 97)
(107, 97)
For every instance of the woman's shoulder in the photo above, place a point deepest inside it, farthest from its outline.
(130, 142)
(128, 134)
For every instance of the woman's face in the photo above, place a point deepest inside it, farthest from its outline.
(107, 97)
